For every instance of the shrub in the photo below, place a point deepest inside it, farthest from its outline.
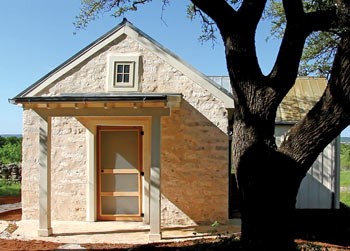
(10, 150)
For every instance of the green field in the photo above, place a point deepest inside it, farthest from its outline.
(12, 189)
(345, 182)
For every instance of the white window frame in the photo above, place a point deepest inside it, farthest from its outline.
(133, 84)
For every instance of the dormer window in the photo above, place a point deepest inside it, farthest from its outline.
(123, 74)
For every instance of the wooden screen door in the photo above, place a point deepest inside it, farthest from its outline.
(119, 173)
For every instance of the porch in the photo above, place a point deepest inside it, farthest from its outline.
(141, 110)
(118, 232)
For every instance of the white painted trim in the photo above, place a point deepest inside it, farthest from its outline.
(336, 162)
(134, 61)
(161, 52)
(155, 180)
(181, 65)
(91, 124)
(91, 200)
(44, 166)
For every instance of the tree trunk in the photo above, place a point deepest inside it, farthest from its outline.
(268, 178)
(268, 184)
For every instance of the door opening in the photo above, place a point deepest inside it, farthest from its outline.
(119, 167)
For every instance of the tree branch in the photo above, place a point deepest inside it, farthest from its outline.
(327, 118)
(285, 70)
(293, 9)
(286, 67)
(251, 11)
(322, 20)
(299, 27)
(220, 11)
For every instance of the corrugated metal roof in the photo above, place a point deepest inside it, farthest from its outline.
(299, 100)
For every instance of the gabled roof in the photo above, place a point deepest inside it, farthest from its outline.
(130, 30)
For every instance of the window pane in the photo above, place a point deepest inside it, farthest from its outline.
(109, 205)
(119, 150)
(120, 205)
(126, 68)
(127, 205)
(119, 182)
(127, 182)
(119, 68)
(126, 78)
(119, 78)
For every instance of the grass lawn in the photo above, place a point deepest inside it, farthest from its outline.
(6, 189)
(345, 198)
(344, 178)
(345, 182)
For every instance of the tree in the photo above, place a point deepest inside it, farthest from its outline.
(320, 46)
(345, 156)
(10, 150)
(269, 177)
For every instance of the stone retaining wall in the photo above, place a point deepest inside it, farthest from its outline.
(11, 172)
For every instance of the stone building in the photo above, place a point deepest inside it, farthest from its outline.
(125, 130)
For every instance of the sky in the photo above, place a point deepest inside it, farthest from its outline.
(38, 35)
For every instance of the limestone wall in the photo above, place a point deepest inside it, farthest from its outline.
(194, 144)
(30, 172)
(194, 169)
(68, 175)
(68, 162)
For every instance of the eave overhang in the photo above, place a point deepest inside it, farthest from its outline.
(105, 101)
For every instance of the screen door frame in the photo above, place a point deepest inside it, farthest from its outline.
(101, 171)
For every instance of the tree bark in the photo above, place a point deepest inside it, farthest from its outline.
(269, 178)
(268, 184)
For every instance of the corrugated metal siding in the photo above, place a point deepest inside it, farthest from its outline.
(299, 100)
(318, 188)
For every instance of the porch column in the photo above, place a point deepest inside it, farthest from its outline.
(91, 214)
(45, 177)
(155, 233)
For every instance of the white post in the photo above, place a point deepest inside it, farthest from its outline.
(45, 177)
(155, 233)
(336, 153)
(91, 214)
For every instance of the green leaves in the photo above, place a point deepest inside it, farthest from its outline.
(345, 156)
(320, 47)
(10, 150)
(92, 9)
(208, 26)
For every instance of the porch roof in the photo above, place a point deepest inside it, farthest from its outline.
(92, 104)
(96, 97)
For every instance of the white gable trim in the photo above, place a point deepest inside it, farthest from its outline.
(75, 62)
(195, 75)
(150, 44)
